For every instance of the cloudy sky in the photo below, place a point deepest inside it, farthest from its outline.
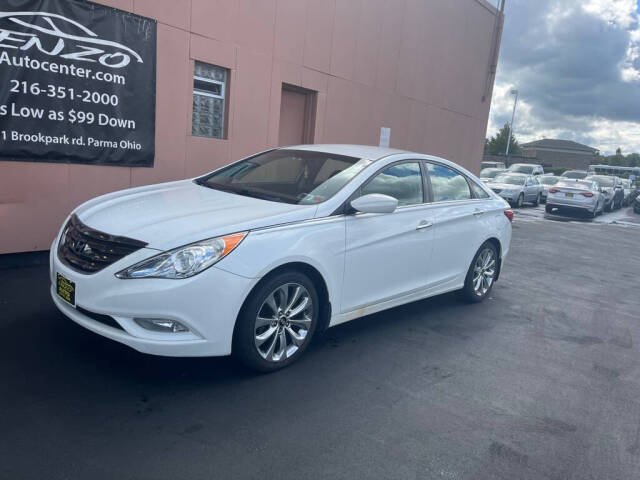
(576, 65)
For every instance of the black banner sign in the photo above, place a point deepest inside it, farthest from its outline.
(77, 83)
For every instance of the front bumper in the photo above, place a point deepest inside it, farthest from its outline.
(207, 303)
(509, 196)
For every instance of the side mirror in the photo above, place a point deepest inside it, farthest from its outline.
(375, 203)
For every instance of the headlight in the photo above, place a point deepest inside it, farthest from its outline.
(184, 262)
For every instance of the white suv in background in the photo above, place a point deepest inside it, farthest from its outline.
(526, 168)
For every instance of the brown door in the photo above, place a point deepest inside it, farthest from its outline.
(297, 113)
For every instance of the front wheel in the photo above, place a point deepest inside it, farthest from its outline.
(277, 322)
(482, 273)
(537, 202)
(520, 200)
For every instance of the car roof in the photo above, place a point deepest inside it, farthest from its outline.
(526, 164)
(359, 151)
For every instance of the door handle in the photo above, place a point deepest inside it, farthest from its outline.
(478, 212)
(424, 224)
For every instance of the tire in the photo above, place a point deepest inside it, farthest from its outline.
(520, 201)
(548, 208)
(475, 290)
(594, 214)
(537, 202)
(608, 208)
(260, 347)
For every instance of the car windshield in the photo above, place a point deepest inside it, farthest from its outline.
(521, 168)
(574, 174)
(549, 180)
(602, 180)
(511, 179)
(490, 172)
(289, 176)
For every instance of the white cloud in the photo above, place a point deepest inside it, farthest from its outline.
(619, 12)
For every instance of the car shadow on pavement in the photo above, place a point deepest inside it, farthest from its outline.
(445, 315)
(568, 218)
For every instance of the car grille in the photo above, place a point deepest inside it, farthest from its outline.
(88, 251)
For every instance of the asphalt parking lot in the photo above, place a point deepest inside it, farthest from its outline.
(540, 381)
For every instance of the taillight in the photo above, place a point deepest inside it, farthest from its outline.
(587, 194)
(553, 190)
(509, 214)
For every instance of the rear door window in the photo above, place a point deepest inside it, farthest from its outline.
(447, 184)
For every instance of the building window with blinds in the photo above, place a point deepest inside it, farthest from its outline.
(209, 100)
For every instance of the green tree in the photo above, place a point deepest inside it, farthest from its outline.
(633, 160)
(497, 145)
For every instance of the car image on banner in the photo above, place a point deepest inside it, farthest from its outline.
(79, 83)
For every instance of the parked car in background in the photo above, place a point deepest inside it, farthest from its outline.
(488, 174)
(547, 182)
(527, 168)
(635, 190)
(499, 165)
(582, 196)
(576, 174)
(517, 188)
(636, 204)
(254, 258)
(611, 188)
(627, 190)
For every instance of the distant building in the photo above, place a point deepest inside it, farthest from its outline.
(560, 154)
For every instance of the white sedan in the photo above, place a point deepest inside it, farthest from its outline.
(255, 257)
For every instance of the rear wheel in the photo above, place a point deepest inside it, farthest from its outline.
(520, 200)
(548, 208)
(481, 274)
(277, 322)
(537, 202)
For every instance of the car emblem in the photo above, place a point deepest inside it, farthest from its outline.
(78, 246)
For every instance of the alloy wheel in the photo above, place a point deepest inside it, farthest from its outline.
(484, 272)
(283, 322)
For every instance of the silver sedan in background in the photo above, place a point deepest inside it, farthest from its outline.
(517, 188)
(547, 182)
(581, 196)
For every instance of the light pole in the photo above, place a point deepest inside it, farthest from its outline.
(513, 114)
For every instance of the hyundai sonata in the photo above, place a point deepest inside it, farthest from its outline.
(255, 257)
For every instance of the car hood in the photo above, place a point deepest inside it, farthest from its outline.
(173, 214)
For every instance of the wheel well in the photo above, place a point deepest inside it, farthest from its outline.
(496, 243)
(318, 281)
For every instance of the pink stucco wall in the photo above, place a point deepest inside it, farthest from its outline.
(417, 66)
